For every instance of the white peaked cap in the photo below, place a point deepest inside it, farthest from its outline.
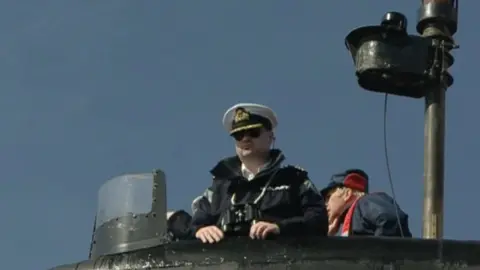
(252, 108)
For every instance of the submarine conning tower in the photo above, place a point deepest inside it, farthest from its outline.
(130, 234)
(130, 229)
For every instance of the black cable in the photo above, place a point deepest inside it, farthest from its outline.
(388, 164)
(93, 237)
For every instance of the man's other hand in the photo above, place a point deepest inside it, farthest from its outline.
(210, 234)
(261, 230)
(333, 227)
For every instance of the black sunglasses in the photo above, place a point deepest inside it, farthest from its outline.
(252, 133)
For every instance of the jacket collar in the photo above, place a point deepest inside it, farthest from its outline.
(230, 167)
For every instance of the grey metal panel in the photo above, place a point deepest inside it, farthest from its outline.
(133, 230)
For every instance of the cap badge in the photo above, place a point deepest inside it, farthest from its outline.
(241, 115)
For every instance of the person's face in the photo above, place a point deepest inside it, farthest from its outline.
(252, 142)
(336, 201)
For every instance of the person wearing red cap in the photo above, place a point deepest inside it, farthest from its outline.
(352, 210)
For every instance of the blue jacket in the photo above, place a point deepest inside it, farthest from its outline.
(374, 214)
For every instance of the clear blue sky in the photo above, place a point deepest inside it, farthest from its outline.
(93, 89)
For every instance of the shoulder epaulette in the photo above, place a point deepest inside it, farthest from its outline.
(296, 172)
(295, 167)
(214, 178)
(299, 168)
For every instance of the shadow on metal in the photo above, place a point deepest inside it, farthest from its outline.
(304, 253)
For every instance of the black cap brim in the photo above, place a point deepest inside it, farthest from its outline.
(329, 187)
(253, 126)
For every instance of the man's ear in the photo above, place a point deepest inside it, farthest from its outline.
(347, 196)
(272, 137)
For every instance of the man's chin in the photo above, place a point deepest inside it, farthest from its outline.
(246, 152)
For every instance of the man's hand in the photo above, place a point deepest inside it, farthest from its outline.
(210, 234)
(333, 227)
(261, 229)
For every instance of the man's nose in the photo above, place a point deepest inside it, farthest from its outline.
(246, 137)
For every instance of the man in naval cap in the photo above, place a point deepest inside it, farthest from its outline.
(352, 210)
(287, 201)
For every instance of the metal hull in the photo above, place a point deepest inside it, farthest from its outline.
(308, 253)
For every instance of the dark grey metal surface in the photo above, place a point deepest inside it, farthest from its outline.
(397, 57)
(134, 231)
(305, 253)
(127, 233)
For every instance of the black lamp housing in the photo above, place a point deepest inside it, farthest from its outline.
(389, 60)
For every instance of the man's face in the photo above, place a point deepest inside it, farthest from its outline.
(336, 201)
(252, 142)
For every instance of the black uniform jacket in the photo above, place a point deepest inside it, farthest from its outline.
(375, 215)
(290, 199)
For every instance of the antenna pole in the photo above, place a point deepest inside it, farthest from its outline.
(438, 21)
